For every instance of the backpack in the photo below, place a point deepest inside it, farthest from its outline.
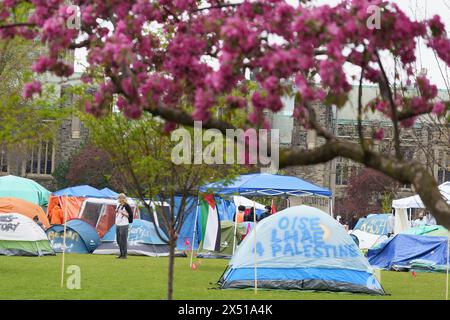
(130, 216)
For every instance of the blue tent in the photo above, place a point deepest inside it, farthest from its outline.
(142, 240)
(374, 223)
(264, 184)
(84, 191)
(301, 248)
(403, 249)
(109, 193)
(81, 237)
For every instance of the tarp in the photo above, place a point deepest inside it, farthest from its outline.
(26, 189)
(301, 248)
(367, 240)
(402, 249)
(416, 202)
(80, 237)
(109, 193)
(436, 230)
(21, 236)
(226, 241)
(84, 191)
(8, 205)
(264, 184)
(374, 224)
(142, 240)
(70, 205)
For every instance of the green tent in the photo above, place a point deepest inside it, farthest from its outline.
(21, 236)
(226, 241)
(22, 188)
(437, 231)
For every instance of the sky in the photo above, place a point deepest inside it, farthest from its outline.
(419, 9)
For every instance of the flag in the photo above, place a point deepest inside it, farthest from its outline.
(209, 220)
(273, 207)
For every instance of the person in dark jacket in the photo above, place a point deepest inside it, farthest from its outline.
(124, 216)
(267, 213)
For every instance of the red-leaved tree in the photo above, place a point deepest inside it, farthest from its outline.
(180, 59)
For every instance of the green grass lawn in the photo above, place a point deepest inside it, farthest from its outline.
(104, 277)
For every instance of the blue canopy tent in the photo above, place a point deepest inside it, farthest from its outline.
(81, 237)
(265, 184)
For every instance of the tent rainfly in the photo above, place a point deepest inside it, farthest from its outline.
(25, 189)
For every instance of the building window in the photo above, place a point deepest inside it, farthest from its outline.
(443, 175)
(341, 172)
(76, 127)
(3, 161)
(41, 161)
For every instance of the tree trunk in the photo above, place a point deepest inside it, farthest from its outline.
(172, 245)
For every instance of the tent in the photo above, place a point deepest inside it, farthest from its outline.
(371, 230)
(26, 189)
(109, 193)
(264, 184)
(374, 224)
(300, 248)
(226, 241)
(416, 202)
(404, 249)
(438, 231)
(71, 199)
(142, 240)
(80, 237)
(21, 236)
(29, 209)
(101, 213)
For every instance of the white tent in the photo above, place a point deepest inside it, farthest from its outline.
(416, 202)
(21, 236)
(243, 201)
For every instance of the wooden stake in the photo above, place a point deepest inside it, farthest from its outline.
(64, 243)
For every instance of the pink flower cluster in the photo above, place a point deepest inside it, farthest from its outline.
(177, 54)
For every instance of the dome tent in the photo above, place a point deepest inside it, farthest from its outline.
(81, 237)
(21, 236)
(26, 189)
(142, 240)
(26, 208)
(301, 248)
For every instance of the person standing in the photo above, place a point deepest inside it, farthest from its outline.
(124, 216)
(267, 213)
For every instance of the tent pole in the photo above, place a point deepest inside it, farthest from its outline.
(254, 247)
(235, 229)
(195, 232)
(64, 243)
(448, 253)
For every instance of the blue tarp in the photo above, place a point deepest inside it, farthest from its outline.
(81, 191)
(374, 223)
(266, 184)
(110, 193)
(402, 249)
(81, 237)
(301, 248)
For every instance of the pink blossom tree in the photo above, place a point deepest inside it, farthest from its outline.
(155, 56)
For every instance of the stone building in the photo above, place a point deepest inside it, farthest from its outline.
(41, 160)
(427, 142)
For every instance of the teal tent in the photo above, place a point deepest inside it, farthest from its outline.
(22, 188)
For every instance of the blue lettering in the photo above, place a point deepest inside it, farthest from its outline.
(283, 223)
(291, 236)
(307, 249)
(275, 249)
(288, 248)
